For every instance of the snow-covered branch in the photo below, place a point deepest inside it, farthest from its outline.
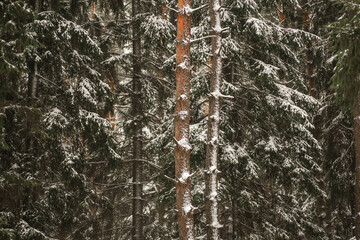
(199, 8)
(202, 38)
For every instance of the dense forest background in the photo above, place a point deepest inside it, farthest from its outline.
(87, 102)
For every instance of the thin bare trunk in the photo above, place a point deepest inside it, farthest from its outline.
(212, 148)
(161, 88)
(321, 205)
(182, 121)
(137, 111)
(357, 164)
(33, 81)
(32, 87)
(307, 24)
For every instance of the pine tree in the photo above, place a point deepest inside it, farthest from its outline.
(269, 114)
(211, 174)
(182, 122)
(137, 113)
(64, 132)
(345, 43)
(332, 130)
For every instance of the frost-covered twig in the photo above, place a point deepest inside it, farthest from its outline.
(172, 9)
(202, 38)
(199, 8)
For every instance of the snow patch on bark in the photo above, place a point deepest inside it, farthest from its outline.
(184, 144)
(183, 114)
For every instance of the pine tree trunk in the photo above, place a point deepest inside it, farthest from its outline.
(32, 84)
(309, 63)
(182, 121)
(33, 81)
(212, 148)
(281, 14)
(137, 112)
(161, 88)
(357, 164)
(320, 201)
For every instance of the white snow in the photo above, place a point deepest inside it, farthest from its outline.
(186, 9)
(155, 27)
(183, 97)
(184, 176)
(187, 209)
(184, 64)
(55, 118)
(87, 90)
(183, 114)
(271, 145)
(184, 144)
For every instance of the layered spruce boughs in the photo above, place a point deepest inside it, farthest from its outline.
(345, 44)
(286, 158)
(59, 145)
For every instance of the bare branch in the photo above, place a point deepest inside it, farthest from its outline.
(199, 39)
(169, 178)
(172, 9)
(199, 8)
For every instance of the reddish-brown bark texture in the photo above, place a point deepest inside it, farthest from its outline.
(281, 12)
(182, 121)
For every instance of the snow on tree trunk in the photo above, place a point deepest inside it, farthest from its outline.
(136, 102)
(182, 121)
(357, 164)
(211, 174)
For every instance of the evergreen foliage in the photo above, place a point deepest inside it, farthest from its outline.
(286, 158)
(345, 44)
(56, 139)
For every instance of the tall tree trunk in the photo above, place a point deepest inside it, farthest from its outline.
(182, 121)
(281, 14)
(33, 81)
(309, 62)
(212, 148)
(137, 114)
(320, 201)
(322, 208)
(161, 88)
(357, 164)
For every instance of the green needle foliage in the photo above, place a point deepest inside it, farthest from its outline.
(345, 43)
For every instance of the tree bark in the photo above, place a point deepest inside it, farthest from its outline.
(212, 148)
(182, 121)
(33, 81)
(357, 164)
(281, 13)
(321, 206)
(309, 62)
(137, 114)
(161, 88)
